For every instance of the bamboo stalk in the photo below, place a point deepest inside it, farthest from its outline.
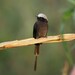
(30, 41)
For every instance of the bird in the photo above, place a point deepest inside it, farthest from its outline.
(40, 29)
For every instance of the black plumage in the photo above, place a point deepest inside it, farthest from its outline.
(40, 29)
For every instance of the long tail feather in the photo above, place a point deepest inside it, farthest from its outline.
(35, 63)
(36, 52)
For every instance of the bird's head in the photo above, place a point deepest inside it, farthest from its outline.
(42, 17)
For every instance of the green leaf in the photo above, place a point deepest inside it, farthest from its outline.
(67, 14)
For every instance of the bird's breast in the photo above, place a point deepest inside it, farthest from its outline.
(42, 29)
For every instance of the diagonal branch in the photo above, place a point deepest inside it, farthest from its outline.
(30, 41)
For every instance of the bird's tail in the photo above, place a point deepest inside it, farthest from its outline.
(36, 52)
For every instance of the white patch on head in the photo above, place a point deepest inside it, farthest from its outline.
(43, 16)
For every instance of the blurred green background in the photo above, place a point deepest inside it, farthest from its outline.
(17, 18)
